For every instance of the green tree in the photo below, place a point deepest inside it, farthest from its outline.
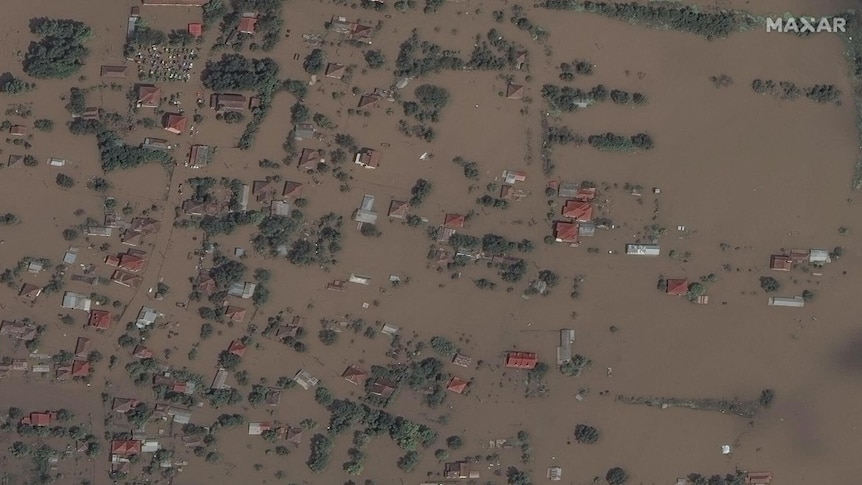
(769, 284)
(586, 434)
(375, 58)
(328, 336)
(408, 462)
(64, 181)
(315, 61)
(616, 476)
(454, 442)
(60, 52)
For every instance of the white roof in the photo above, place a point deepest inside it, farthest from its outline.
(76, 301)
(305, 379)
(146, 317)
(390, 330)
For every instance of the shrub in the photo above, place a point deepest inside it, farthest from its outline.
(64, 180)
(323, 396)
(315, 61)
(769, 284)
(432, 96)
(443, 346)
(586, 434)
(375, 58)
(616, 476)
(12, 85)
(408, 462)
(441, 455)
(454, 442)
(43, 125)
(766, 397)
(70, 234)
(98, 184)
(370, 230)
(328, 336)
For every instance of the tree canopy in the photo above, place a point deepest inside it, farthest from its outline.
(234, 72)
(60, 52)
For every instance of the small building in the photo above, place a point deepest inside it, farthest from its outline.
(566, 232)
(237, 348)
(796, 301)
(369, 100)
(355, 375)
(264, 190)
(220, 379)
(149, 96)
(643, 249)
(457, 385)
(521, 60)
(113, 72)
(18, 130)
(780, 262)
(515, 91)
(564, 350)
(382, 387)
(124, 278)
(224, 103)
(365, 213)
(367, 158)
(389, 330)
(511, 176)
(81, 369)
(555, 473)
(819, 256)
(758, 478)
(146, 317)
(398, 209)
(292, 190)
(29, 292)
(195, 29)
(462, 360)
(99, 231)
(303, 131)
(305, 380)
(339, 25)
(19, 330)
(454, 221)
(142, 352)
(677, 287)
(235, 313)
(199, 156)
(459, 470)
(279, 208)
(360, 33)
(156, 144)
(335, 70)
(247, 25)
(309, 159)
(586, 229)
(100, 319)
(174, 3)
(174, 123)
(521, 360)
(579, 211)
(76, 301)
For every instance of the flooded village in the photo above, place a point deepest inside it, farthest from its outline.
(435, 242)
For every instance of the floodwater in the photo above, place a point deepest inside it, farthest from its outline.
(755, 173)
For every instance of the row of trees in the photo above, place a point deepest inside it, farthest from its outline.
(666, 17)
(821, 93)
(613, 142)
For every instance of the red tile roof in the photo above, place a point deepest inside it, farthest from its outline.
(454, 221)
(247, 25)
(142, 352)
(81, 368)
(566, 232)
(237, 348)
(355, 375)
(586, 194)
(100, 319)
(126, 447)
(38, 419)
(677, 287)
(521, 360)
(175, 123)
(580, 211)
(235, 313)
(148, 96)
(196, 30)
(780, 262)
(456, 384)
